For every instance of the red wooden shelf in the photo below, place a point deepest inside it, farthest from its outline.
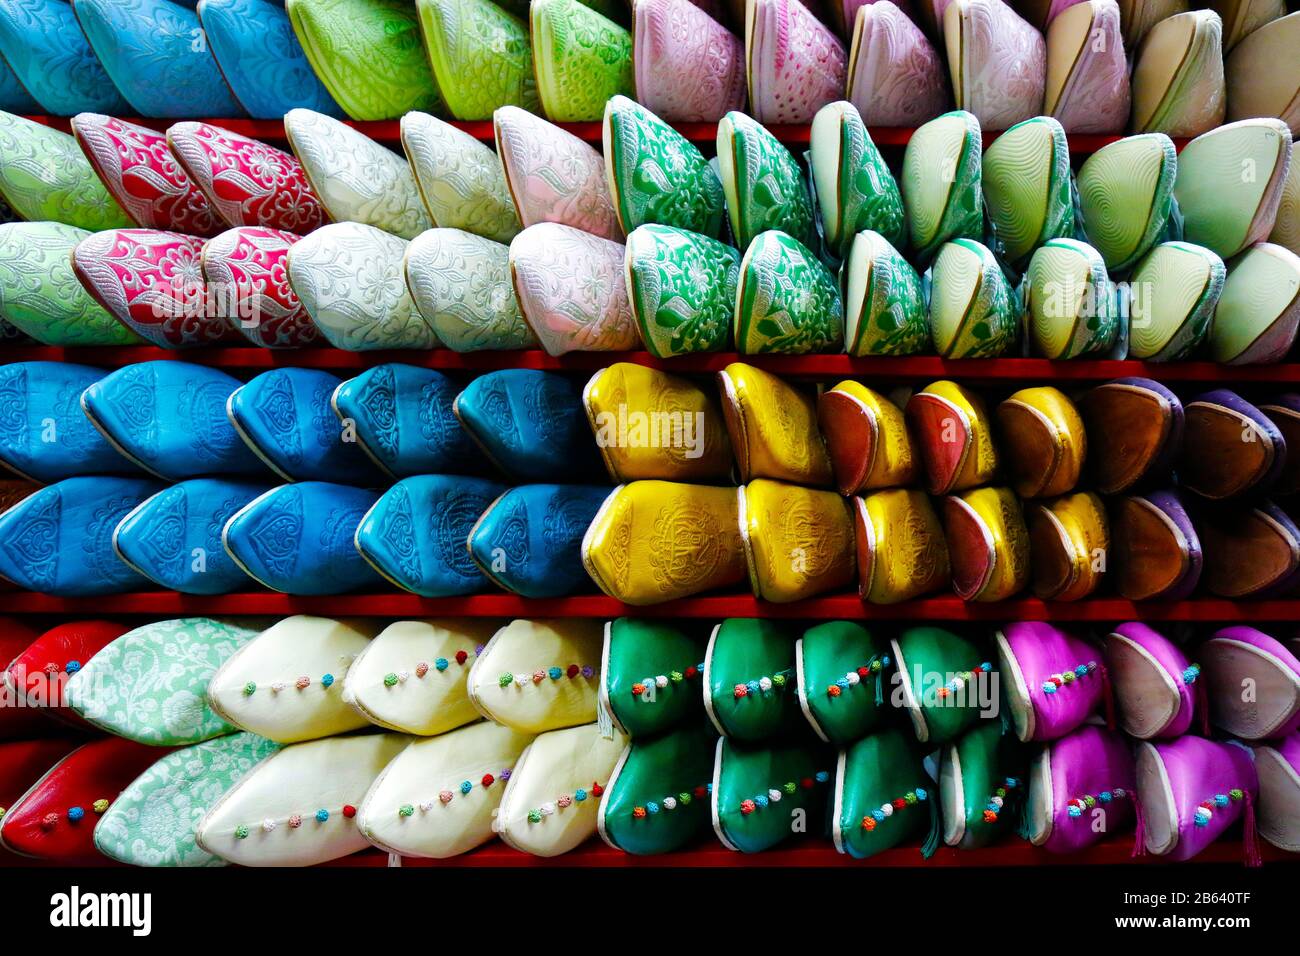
(916, 368)
(711, 607)
(816, 853)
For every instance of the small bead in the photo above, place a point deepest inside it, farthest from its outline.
(390, 680)
(249, 689)
(691, 672)
(547, 809)
(295, 821)
(774, 795)
(684, 798)
(505, 680)
(72, 667)
(765, 684)
(638, 689)
(441, 663)
(639, 813)
(573, 670)
(761, 800)
(445, 796)
(833, 690)
(487, 780)
(302, 683)
(822, 776)
(661, 680)
(100, 805)
(675, 677)
(505, 774)
(588, 671)
(1235, 794)
(747, 807)
(405, 810)
(534, 816)
(277, 687)
(268, 825)
(921, 794)
(241, 832)
(327, 680)
(596, 789)
(51, 668)
(461, 657)
(421, 669)
(652, 807)
(539, 676)
(76, 813)
(1221, 800)
(322, 816)
(49, 821)
(789, 787)
(868, 823)
(555, 673)
(670, 803)
(740, 690)
(466, 786)
(752, 687)
(349, 811)
(580, 795)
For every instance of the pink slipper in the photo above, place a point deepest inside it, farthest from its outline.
(796, 65)
(895, 76)
(688, 67)
(1087, 71)
(998, 62)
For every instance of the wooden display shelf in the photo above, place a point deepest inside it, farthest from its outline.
(705, 607)
(913, 368)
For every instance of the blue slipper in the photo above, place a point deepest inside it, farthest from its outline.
(416, 534)
(402, 417)
(44, 436)
(529, 540)
(174, 538)
(44, 46)
(285, 417)
(531, 424)
(170, 418)
(260, 57)
(59, 540)
(13, 98)
(153, 51)
(298, 538)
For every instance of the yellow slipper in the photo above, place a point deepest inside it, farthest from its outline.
(953, 437)
(1068, 539)
(901, 549)
(866, 438)
(798, 541)
(988, 544)
(773, 428)
(1042, 440)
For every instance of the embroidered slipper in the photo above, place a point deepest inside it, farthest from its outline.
(1070, 303)
(941, 178)
(575, 80)
(757, 788)
(349, 278)
(246, 183)
(402, 417)
(285, 417)
(884, 798)
(154, 821)
(299, 806)
(368, 55)
(571, 290)
(1068, 540)
(170, 419)
(787, 302)
(1087, 72)
(651, 675)
(682, 289)
(866, 438)
(773, 428)
(982, 786)
(1027, 188)
(973, 311)
(1135, 428)
(298, 539)
(655, 174)
(13, 96)
(1082, 789)
(45, 177)
(988, 544)
(855, 189)
(1278, 767)
(1259, 310)
(1155, 684)
(1284, 412)
(280, 685)
(1178, 86)
(895, 77)
(901, 549)
(1230, 447)
(259, 56)
(1042, 440)
(884, 305)
(416, 534)
(552, 802)
(953, 435)
(997, 61)
(794, 63)
(149, 51)
(42, 43)
(174, 537)
(58, 540)
(655, 541)
(402, 811)
(842, 670)
(1055, 681)
(481, 56)
(1236, 657)
(460, 284)
(763, 183)
(40, 668)
(946, 682)
(1286, 228)
(439, 653)
(650, 424)
(1179, 287)
(1155, 551)
(686, 66)
(1257, 89)
(798, 541)
(1126, 193)
(552, 175)
(355, 178)
(150, 685)
(461, 181)
(247, 278)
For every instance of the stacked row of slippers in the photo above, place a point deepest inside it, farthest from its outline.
(198, 742)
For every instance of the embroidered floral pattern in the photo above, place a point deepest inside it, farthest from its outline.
(45, 177)
(247, 272)
(481, 56)
(688, 67)
(43, 44)
(789, 303)
(796, 65)
(897, 78)
(582, 59)
(682, 288)
(770, 187)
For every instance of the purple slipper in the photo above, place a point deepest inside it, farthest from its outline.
(1155, 549)
(1054, 680)
(1229, 447)
(1081, 788)
(1157, 689)
(1278, 767)
(1135, 430)
(1284, 412)
(1251, 550)
(1253, 683)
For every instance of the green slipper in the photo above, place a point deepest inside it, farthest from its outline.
(655, 174)
(883, 797)
(44, 176)
(1126, 193)
(1256, 318)
(1286, 230)
(657, 797)
(787, 302)
(941, 183)
(682, 289)
(855, 189)
(763, 794)
(944, 680)
(749, 679)
(1027, 188)
(763, 183)
(581, 59)
(843, 677)
(368, 55)
(651, 676)
(982, 786)
(1175, 291)
(884, 307)
(1069, 301)
(480, 54)
(973, 312)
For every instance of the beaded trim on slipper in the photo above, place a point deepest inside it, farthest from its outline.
(999, 798)
(73, 814)
(573, 671)
(641, 688)
(886, 810)
(1065, 678)
(853, 678)
(303, 681)
(446, 796)
(764, 685)
(1088, 801)
(1193, 671)
(683, 799)
(295, 820)
(965, 677)
(763, 800)
(1205, 812)
(393, 678)
(565, 801)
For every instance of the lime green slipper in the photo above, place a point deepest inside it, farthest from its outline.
(1126, 193)
(973, 313)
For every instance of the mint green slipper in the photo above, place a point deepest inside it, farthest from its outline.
(942, 194)
(1175, 290)
(1256, 318)
(787, 302)
(1069, 301)
(1027, 188)
(1126, 194)
(855, 189)
(884, 306)
(973, 312)
(763, 183)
